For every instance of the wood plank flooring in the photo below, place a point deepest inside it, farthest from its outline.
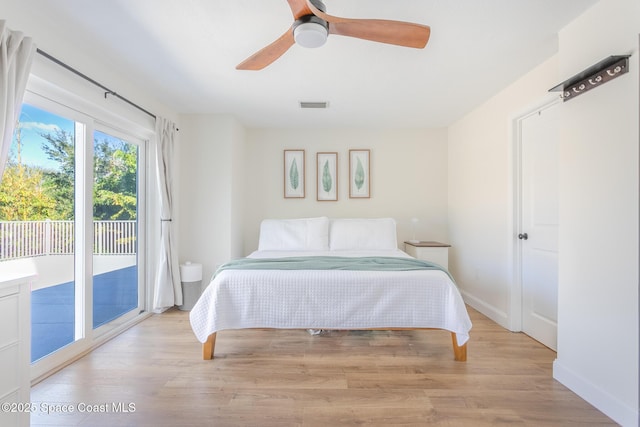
(153, 375)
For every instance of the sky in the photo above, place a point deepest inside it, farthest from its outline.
(33, 123)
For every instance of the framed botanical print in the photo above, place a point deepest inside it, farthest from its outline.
(294, 174)
(327, 176)
(359, 174)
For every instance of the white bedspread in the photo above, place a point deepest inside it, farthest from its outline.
(330, 299)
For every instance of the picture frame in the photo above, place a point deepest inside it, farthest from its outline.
(360, 174)
(294, 174)
(327, 176)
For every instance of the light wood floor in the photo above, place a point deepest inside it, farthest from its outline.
(290, 378)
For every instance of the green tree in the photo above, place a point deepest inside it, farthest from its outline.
(23, 195)
(30, 193)
(115, 180)
(59, 183)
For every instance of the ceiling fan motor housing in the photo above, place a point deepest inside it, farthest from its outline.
(310, 31)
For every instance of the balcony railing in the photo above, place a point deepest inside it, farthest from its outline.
(25, 239)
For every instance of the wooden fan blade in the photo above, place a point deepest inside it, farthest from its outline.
(392, 32)
(378, 30)
(268, 54)
(299, 8)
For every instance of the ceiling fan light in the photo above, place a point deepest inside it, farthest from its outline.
(310, 34)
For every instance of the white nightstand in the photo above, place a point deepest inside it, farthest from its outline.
(429, 251)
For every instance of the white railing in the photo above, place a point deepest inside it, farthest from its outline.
(25, 239)
(114, 237)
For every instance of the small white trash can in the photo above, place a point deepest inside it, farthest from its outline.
(191, 279)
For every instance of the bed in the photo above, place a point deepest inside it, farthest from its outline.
(330, 274)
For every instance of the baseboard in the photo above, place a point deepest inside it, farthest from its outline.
(600, 399)
(493, 313)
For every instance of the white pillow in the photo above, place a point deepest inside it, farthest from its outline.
(304, 234)
(362, 234)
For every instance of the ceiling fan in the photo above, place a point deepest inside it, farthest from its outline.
(312, 26)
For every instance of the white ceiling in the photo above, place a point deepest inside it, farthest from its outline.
(185, 52)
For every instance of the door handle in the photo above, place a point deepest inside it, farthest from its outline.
(524, 236)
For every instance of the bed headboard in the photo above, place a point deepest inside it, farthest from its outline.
(321, 234)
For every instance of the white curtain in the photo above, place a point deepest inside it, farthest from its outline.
(16, 54)
(167, 289)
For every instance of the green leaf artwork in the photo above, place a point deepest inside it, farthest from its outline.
(326, 177)
(359, 176)
(294, 177)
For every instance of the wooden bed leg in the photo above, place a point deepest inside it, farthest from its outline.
(459, 351)
(209, 347)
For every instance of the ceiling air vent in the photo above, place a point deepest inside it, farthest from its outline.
(316, 104)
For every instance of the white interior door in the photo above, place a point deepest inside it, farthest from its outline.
(539, 224)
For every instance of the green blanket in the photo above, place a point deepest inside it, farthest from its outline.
(331, 263)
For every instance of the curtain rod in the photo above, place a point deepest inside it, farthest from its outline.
(89, 79)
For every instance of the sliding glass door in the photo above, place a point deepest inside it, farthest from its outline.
(116, 209)
(72, 200)
(38, 221)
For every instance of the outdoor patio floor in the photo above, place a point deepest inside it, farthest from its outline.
(53, 308)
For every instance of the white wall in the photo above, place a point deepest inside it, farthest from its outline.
(238, 162)
(209, 192)
(598, 278)
(481, 193)
(408, 178)
(598, 293)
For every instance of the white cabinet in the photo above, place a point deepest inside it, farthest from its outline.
(15, 350)
(429, 251)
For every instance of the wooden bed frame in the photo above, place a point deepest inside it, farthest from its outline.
(459, 351)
